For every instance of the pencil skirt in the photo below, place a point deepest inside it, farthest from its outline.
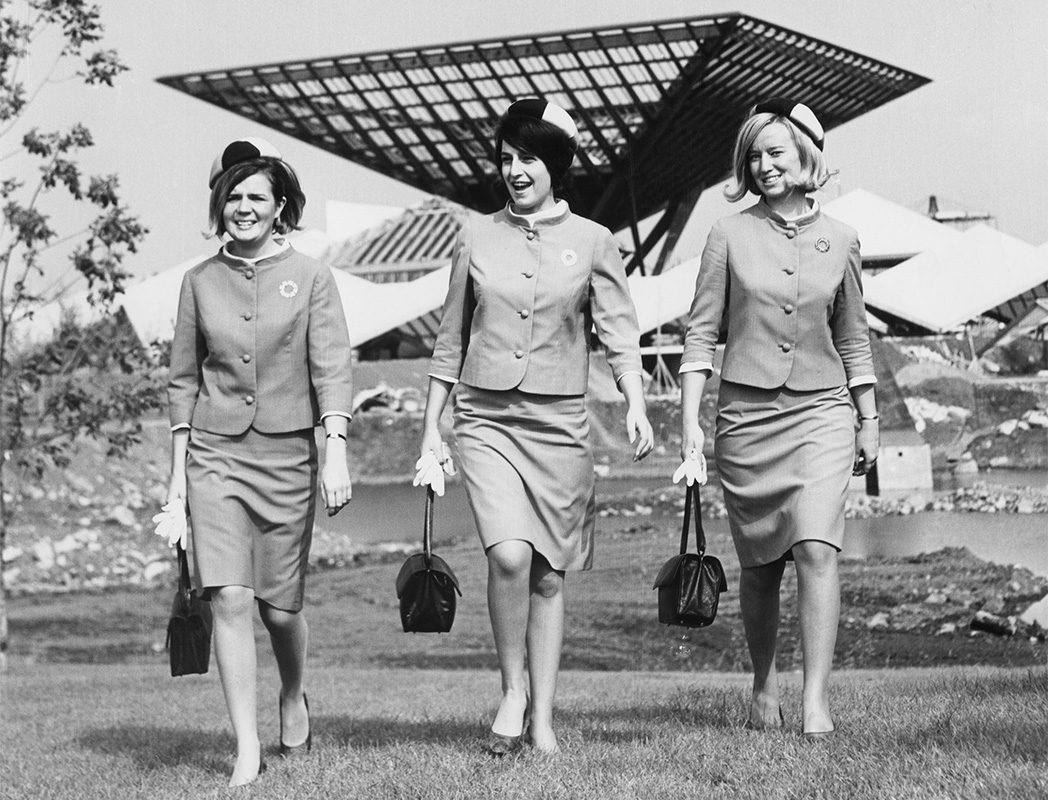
(527, 467)
(252, 500)
(785, 460)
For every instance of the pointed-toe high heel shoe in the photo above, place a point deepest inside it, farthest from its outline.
(291, 750)
(499, 744)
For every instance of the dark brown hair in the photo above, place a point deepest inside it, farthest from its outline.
(282, 179)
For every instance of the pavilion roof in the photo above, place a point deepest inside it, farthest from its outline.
(657, 104)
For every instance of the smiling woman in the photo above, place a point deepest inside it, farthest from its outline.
(797, 367)
(248, 215)
(526, 285)
(260, 355)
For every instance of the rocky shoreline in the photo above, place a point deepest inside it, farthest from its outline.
(81, 535)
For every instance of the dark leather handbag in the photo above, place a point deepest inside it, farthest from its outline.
(690, 584)
(189, 629)
(426, 586)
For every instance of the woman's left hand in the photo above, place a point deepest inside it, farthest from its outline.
(335, 487)
(867, 445)
(639, 430)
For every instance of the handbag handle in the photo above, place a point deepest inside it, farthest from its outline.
(700, 534)
(184, 582)
(427, 529)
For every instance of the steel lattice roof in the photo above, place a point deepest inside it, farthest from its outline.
(657, 104)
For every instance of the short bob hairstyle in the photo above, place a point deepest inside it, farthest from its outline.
(814, 172)
(544, 140)
(282, 179)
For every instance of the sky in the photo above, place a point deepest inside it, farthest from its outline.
(977, 136)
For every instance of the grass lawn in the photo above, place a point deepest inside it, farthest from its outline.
(88, 709)
(130, 731)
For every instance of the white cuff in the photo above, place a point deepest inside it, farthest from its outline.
(861, 380)
(630, 372)
(345, 414)
(444, 378)
(695, 366)
(182, 426)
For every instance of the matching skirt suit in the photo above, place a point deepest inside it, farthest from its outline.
(789, 295)
(524, 295)
(260, 354)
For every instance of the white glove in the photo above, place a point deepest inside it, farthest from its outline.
(693, 468)
(171, 524)
(431, 472)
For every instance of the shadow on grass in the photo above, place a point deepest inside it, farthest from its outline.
(161, 747)
(375, 732)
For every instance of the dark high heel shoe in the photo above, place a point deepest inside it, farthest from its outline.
(499, 744)
(288, 750)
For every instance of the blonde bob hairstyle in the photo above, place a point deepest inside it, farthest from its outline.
(814, 172)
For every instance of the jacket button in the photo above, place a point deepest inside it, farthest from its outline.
(524, 313)
(249, 399)
(249, 274)
(518, 354)
(790, 234)
(529, 274)
(788, 308)
(531, 235)
(786, 347)
(788, 270)
(246, 315)
(246, 358)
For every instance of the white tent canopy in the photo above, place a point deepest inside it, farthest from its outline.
(945, 287)
(887, 230)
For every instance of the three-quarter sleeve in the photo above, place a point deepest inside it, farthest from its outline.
(457, 317)
(188, 351)
(612, 309)
(709, 304)
(328, 348)
(848, 326)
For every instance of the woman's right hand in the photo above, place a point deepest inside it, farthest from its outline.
(176, 488)
(433, 443)
(692, 442)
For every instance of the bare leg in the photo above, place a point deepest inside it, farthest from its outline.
(759, 603)
(545, 635)
(509, 568)
(819, 608)
(233, 608)
(289, 635)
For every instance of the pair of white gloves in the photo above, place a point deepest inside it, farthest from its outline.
(171, 523)
(430, 470)
(692, 469)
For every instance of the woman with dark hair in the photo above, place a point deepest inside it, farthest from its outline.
(527, 285)
(260, 355)
(796, 412)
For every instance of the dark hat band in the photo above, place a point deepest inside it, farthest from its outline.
(542, 109)
(240, 150)
(797, 113)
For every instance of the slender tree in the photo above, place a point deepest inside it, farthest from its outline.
(85, 381)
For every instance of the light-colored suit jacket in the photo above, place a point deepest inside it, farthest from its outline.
(522, 301)
(790, 294)
(263, 346)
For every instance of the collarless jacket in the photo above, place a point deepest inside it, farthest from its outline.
(522, 302)
(790, 295)
(263, 346)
